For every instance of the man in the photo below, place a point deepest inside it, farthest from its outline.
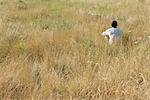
(113, 34)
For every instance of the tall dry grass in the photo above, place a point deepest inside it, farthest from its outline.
(52, 50)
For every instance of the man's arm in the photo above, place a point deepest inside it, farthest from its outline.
(105, 33)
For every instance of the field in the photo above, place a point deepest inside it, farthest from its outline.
(53, 50)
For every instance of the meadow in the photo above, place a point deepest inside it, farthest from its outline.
(53, 50)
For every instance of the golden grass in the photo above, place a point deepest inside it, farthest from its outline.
(52, 50)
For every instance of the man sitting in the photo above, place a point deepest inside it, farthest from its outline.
(113, 34)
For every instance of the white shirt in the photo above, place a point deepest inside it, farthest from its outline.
(113, 34)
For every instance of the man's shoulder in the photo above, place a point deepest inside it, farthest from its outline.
(109, 29)
(119, 30)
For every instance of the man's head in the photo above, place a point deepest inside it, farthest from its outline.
(114, 24)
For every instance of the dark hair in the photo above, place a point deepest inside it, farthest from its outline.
(114, 24)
